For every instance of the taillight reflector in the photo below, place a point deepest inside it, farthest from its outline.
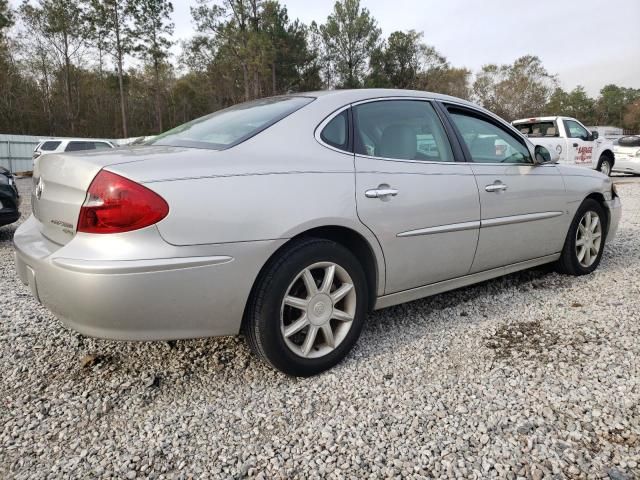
(115, 204)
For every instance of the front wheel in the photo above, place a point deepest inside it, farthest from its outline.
(308, 307)
(584, 244)
(604, 165)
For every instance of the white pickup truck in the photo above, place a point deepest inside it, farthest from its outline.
(574, 143)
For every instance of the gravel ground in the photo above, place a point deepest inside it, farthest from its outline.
(534, 375)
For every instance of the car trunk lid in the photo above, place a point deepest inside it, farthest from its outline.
(61, 181)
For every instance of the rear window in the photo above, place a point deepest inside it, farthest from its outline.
(538, 129)
(79, 146)
(231, 126)
(48, 146)
(101, 145)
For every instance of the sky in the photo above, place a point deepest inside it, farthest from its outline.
(585, 42)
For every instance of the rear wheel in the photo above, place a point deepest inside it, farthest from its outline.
(585, 241)
(605, 165)
(308, 307)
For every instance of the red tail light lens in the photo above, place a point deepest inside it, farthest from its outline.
(116, 204)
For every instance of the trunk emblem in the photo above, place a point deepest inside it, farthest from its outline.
(39, 188)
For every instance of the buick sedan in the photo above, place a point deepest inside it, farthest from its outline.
(288, 219)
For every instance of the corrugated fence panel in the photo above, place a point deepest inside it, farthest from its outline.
(16, 152)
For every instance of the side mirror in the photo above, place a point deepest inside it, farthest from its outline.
(595, 134)
(544, 156)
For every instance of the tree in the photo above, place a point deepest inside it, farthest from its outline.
(350, 37)
(446, 80)
(233, 26)
(612, 104)
(112, 19)
(515, 91)
(398, 61)
(293, 66)
(6, 17)
(631, 120)
(575, 104)
(55, 23)
(151, 26)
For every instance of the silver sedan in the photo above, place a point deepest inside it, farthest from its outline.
(287, 219)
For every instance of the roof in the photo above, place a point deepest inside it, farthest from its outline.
(367, 93)
(537, 119)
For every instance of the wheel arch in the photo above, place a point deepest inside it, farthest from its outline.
(368, 253)
(599, 197)
(609, 154)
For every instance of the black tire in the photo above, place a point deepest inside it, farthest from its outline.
(262, 325)
(605, 164)
(630, 141)
(569, 263)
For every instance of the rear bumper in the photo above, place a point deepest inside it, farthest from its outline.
(146, 289)
(615, 212)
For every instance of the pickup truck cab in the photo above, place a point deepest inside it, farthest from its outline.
(573, 142)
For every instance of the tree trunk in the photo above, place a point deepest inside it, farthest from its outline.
(67, 79)
(245, 77)
(120, 54)
(123, 110)
(156, 68)
(273, 78)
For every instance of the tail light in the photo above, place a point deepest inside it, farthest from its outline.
(116, 204)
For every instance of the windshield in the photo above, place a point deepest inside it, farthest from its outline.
(538, 129)
(226, 128)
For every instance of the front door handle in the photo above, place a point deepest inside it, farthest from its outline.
(383, 192)
(496, 187)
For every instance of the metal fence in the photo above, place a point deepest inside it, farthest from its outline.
(16, 152)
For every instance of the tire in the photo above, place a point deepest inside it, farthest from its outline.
(570, 262)
(605, 165)
(279, 331)
(630, 141)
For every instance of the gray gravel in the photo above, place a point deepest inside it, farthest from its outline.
(534, 375)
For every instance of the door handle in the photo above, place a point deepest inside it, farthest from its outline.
(575, 145)
(382, 192)
(496, 187)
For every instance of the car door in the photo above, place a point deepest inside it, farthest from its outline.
(523, 205)
(421, 204)
(579, 144)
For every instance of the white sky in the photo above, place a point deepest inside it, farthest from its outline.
(586, 42)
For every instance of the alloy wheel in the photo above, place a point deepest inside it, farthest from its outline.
(588, 238)
(318, 310)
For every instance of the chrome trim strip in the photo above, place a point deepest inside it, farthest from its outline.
(99, 267)
(529, 217)
(444, 286)
(454, 227)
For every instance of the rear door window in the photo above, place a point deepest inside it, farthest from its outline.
(79, 146)
(401, 129)
(49, 146)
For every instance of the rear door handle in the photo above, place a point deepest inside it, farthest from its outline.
(496, 187)
(383, 192)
